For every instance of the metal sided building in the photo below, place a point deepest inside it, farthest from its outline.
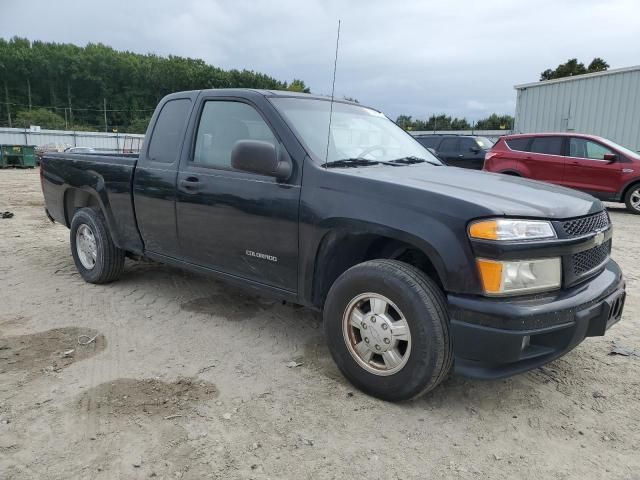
(603, 103)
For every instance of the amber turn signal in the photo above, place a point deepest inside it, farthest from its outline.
(485, 230)
(491, 275)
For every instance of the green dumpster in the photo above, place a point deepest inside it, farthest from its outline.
(21, 156)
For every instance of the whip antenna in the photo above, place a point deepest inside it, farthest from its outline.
(333, 88)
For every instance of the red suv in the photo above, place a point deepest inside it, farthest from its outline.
(585, 162)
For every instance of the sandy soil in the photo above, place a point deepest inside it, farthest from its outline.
(189, 378)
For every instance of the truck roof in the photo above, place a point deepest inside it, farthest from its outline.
(276, 93)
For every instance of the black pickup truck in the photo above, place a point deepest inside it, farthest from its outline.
(418, 268)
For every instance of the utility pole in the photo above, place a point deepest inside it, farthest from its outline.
(66, 126)
(69, 98)
(29, 92)
(104, 101)
(6, 97)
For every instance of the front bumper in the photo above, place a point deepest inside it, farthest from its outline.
(494, 338)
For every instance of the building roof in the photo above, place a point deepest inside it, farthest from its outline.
(578, 77)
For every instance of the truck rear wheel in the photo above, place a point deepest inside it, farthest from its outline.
(96, 257)
(388, 329)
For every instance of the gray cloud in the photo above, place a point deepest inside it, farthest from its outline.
(414, 57)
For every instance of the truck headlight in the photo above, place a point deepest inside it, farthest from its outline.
(507, 229)
(519, 276)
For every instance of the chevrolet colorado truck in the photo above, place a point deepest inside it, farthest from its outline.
(420, 269)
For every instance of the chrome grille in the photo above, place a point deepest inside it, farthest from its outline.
(585, 225)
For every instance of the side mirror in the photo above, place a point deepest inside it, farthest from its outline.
(260, 157)
(610, 157)
(475, 149)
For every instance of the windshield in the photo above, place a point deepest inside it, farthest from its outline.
(356, 132)
(624, 150)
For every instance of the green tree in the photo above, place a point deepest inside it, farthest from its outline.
(572, 67)
(446, 122)
(495, 122)
(298, 86)
(41, 117)
(76, 81)
(597, 65)
(139, 125)
(404, 121)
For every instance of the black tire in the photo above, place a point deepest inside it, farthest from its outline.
(109, 261)
(633, 191)
(422, 304)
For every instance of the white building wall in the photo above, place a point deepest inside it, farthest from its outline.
(604, 103)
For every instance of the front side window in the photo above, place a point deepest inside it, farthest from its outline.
(583, 148)
(449, 145)
(356, 132)
(222, 124)
(469, 145)
(484, 143)
(547, 145)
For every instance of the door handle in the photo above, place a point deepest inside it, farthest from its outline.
(190, 184)
(460, 156)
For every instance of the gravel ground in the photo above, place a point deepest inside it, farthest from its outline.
(185, 377)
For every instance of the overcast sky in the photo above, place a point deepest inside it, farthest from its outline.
(415, 57)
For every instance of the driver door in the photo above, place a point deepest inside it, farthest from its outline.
(239, 223)
(586, 169)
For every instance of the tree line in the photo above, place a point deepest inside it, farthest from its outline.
(96, 87)
(572, 67)
(445, 122)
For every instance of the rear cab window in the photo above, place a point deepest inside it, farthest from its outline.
(166, 139)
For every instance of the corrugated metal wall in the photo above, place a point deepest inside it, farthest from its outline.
(97, 140)
(607, 105)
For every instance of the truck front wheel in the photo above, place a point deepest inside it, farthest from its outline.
(388, 329)
(96, 257)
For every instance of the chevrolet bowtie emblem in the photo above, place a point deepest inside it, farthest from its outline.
(599, 238)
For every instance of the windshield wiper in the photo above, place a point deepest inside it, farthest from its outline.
(363, 162)
(410, 160)
(352, 162)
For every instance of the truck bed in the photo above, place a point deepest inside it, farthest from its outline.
(71, 181)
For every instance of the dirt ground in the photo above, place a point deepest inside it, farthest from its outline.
(181, 376)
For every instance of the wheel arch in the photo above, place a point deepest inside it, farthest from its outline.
(76, 198)
(511, 172)
(342, 248)
(629, 185)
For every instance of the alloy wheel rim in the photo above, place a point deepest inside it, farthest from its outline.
(635, 199)
(86, 246)
(377, 334)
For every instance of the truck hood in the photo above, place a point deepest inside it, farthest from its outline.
(501, 194)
